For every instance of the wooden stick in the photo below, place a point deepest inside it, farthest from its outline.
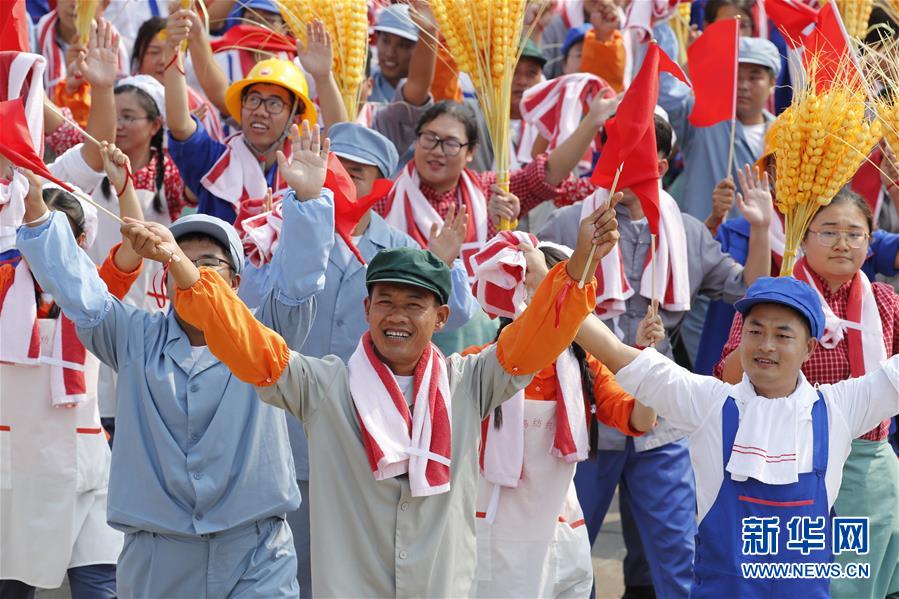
(83, 196)
(586, 272)
(60, 114)
(652, 265)
(730, 150)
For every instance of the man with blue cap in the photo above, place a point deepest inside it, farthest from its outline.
(339, 320)
(203, 476)
(395, 38)
(768, 453)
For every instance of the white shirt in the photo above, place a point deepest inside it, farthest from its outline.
(405, 384)
(755, 137)
(693, 403)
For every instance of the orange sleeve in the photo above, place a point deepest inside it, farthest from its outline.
(79, 101)
(445, 85)
(118, 282)
(613, 404)
(606, 60)
(475, 349)
(536, 338)
(253, 352)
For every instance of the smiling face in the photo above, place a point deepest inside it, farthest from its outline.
(435, 168)
(394, 54)
(775, 343)
(134, 127)
(363, 175)
(402, 319)
(259, 126)
(837, 264)
(755, 84)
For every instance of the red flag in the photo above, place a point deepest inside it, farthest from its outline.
(15, 141)
(792, 18)
(14, 27)
(245, 36)
(631, 136)
(348, 210)
(712, 60)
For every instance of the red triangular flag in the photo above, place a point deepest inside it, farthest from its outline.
(828, 45)
(15, 141)
(348, 210)
(792, 18)
(244, 36)
(712, 60)
(631, 136)
(14, 27)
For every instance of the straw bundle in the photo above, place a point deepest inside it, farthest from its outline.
(346, 21)
(85, 10)
(680, 24)
(855, 15)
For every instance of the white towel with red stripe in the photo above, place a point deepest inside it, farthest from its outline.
(12, 208)
(56, 59)
(499, 271)
(259, 230)
(237, 175)
(643, 15)
(20, 342)
(397, 441)
(672, 282)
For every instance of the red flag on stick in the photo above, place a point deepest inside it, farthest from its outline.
(712, 60)
(631, 136)
(14, 27)
(15, 142)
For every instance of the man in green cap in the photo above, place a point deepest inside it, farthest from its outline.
(394, 433)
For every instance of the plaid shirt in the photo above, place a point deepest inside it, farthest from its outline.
(827, 366)
(528, 184)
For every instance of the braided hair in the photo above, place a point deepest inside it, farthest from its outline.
(553, 256)
(149, 105)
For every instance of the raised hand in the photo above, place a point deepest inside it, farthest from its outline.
(722, 202)
(150, 240)
(535, 269)
(178, 28)
(306, 171)
(116, 164)
(599, 229)
(35, 207)
(99, 64)
(502, 205)
(602, 108)
(318, 55)
(650, 331)
(605, 20)
(755, 202)
(447, 242)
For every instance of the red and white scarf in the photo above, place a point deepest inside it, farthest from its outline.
(410, 211)
(21, 343)
(499, 272)
(672, 281)
(259, 231)
(396, 441)
(522, 136)
(862, 327)
(237, 175)
(643, 15)
(56, 59)
(502, 450)
(12, 208)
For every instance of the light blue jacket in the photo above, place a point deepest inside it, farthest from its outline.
(197, 451)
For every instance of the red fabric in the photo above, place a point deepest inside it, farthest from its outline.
(712, 60)
(791, 17)
(500, 270)
(243, 36)
(827, 366)
(15, 139)
(14, 27)
(348, 210)
(631, 141)
(72, 351)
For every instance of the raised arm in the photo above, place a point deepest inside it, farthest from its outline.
(118, 169)
(423, 62)
(565, 157)
(756, 207)
(317, 58)
(177, 110)
(99, 66)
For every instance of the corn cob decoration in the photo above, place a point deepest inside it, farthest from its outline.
(347, 23)
(484, 38)
(855, 15)
(85, 10)
(680, 24)
(819, 143)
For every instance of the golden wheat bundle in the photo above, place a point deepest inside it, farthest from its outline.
(680, 24)
(819, 143)
(85, 10)
(346, 21)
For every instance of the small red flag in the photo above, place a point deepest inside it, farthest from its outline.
(631, 136)
(712, 60)
(14, 27)
(243, 36)
(791, 17)
(15, 141)
(348, 210)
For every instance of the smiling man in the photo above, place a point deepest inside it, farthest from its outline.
(395, 39)
(393, 433)
(272, 97)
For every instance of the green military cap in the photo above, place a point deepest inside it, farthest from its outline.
(531, 50)
(409, 266)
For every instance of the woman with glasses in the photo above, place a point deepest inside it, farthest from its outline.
(862, 330)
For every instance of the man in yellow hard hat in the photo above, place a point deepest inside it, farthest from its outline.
(272, 96)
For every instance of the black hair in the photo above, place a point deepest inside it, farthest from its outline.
(553, 256)
(806, 325)
(198, 236)
(881, 27)
(149, 29)
(847, 196)
(710, 13)
(664, 137)
(461, 112)
(152, 110)
(62, 201)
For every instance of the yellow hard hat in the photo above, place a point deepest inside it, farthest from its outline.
(277, 72)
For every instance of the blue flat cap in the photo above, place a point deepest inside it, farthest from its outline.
(245, 8)
(575, 35)
(788, 292)
(366, 146)
(216, 228)
(756, 50)
(395, 19)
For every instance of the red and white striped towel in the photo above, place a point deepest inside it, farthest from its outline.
(862, 328)
(12, 208)
(672, 282)
(502, 450)
(499, 271)
(259, 231)
(397, 441)
(56, 59)
(237, 175)
(642, 15)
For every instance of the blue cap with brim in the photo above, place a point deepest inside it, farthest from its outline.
(245, 9)
(215, 228)
(788, 292)
(575, 35)
(365, 146)
(395, 19)
(757, 50)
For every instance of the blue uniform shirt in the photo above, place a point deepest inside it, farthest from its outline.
(199, 452)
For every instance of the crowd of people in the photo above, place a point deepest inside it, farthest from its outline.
(214, 347)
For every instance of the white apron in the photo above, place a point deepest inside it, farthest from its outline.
(538, 545)
(54, 471)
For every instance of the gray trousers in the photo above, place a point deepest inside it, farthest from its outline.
(299, 524)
